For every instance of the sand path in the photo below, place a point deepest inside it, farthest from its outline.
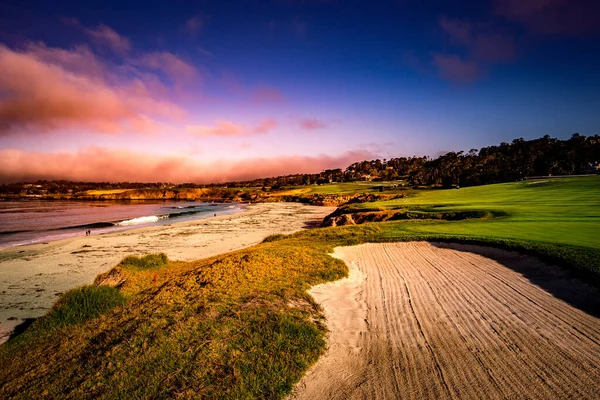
(433, 321)
(32, 276)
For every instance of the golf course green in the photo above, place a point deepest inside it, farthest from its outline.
(558, 211)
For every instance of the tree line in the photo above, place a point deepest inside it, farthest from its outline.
(494, 164)
(506, 162)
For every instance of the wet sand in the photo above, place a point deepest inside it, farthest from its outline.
(31, 277)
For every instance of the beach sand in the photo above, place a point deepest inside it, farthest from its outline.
(33, 276)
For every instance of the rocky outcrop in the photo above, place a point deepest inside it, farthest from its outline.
(344, 219)
(149, 194)
(223, 194)
(339, 217)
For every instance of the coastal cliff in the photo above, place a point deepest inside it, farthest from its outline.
(214, 194)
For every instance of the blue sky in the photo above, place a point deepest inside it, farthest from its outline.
(235, 89)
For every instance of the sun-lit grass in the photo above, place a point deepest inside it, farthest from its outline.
(290, 192)
(355, 187)
(234, 326)
(106, 191)
(80, 305)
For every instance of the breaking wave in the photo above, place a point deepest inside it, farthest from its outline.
(142, 220)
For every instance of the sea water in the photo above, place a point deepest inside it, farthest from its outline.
(35, 221)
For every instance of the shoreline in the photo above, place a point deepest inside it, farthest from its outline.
(32, 277)
(102, 224)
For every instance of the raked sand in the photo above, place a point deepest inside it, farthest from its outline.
(31, 277)
(434, 321)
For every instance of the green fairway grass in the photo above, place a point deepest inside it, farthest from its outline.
(558, 211)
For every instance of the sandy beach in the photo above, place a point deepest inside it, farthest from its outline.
(32, 277)
(443, 321)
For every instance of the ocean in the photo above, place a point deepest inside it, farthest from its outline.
(36, 221)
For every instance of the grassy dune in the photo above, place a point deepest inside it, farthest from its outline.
(240, 325)
(234, 326)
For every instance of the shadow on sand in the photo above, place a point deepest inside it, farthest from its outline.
(313, 223)
(560, 282)
(22, 327)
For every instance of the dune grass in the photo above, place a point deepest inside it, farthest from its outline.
(240, 325)
(234, 326)
(149, 261)
(80, 305)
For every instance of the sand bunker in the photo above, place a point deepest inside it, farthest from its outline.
(31, 277)
(433, 321)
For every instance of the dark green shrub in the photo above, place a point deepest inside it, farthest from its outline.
(273, 238)
(80, 305)
(146, 262)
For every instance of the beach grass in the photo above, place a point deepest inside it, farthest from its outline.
(79, 305)
(234, 326)
(240, 325)
(149, 261)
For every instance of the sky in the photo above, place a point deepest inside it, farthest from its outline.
(214, 91)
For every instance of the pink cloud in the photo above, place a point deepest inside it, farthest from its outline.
(260, 94)
(100, 164)
(268, 94)
(171, 65)
(193, 25)
(311, 124)
(494, 47)
(454, 68)
(106, 36)
(265, 126)
(78, 60)
(48, 89)
(228, 128)
(232, 84)
(483, 41)
(221, 128)
(547, 17)
(482, 44)
(459, 31)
